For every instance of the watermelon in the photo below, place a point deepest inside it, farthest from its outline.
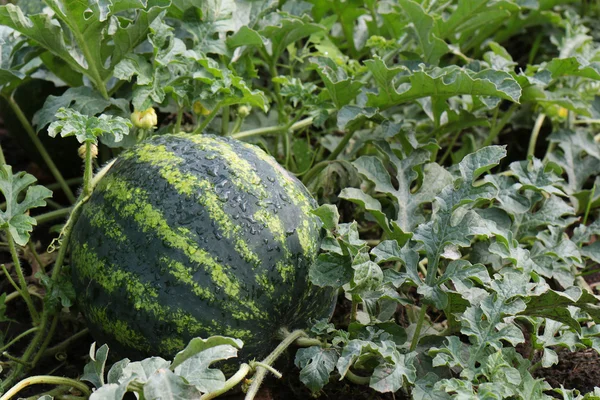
(194, 236)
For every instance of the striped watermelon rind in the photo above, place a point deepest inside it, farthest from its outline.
(189, 236)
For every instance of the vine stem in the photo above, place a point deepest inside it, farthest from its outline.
(19, 337)
(88, 170)
(2, 159)
(40, 148)
(534, 134)
(225, 121)
(417, 334)
(35, 317)
(63, 345)
(341, 145)
(359, 380)
(207, 120)
(495, 131)
(66, 231)
(52, 215)
(303, 123)
(261, 372)
(45, 380)
(230, 383)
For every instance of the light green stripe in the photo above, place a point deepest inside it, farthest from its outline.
(117, 328)
(295, 195)
(189, 184)
(99, 219)
(184, 274)
(132, 202)
(244, 177)
(144, 296)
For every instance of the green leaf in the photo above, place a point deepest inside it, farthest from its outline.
(112, 391)
(399, 84)
(342, 89)
(553, 211)
(329, 215)
(533, 175)
(93, 371)
(194, 361)
(282, 30)
(408, 202)
(210, 26)
(432, 48)
(578, 156)
(59, 290)
(82, 99)
(389, 376)
(87, 129)
(331, 269)
(165, 385)
(465, 23)
(554, 336)
(484, 323)
(573, 66)
(93, 38)
(134, 65)
(16, 217)
(350, 117)
(425, 389)
(143, 370)
(198, 345)
(316, 365)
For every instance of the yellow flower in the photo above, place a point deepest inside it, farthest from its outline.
(563, 112)
(144, 119)
(200, 109)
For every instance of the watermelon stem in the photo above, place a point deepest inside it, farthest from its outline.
(46, 380)
(87, 171)
(261, 371)
(230, 383)
(272, 370)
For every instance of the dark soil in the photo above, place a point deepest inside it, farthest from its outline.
(577, 370)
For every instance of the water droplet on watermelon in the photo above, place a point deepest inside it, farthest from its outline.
(236, 216)
(218, 236)
(244, 206)
(265, 241)
(252, 230)
(212, 170)
(290, 232)
(224, 196)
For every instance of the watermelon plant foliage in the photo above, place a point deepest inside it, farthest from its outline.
(451, 146)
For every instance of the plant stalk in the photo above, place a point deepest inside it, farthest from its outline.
(88, 170)
(303, 123)
(417, 333)
(495, 131)
(341, 145)
(225, 121)
(200, 128)
(35, 317)
(52, 215)
(46, 380)
(19, 337)
(261, 372)
(230, 383)
(534, 134)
